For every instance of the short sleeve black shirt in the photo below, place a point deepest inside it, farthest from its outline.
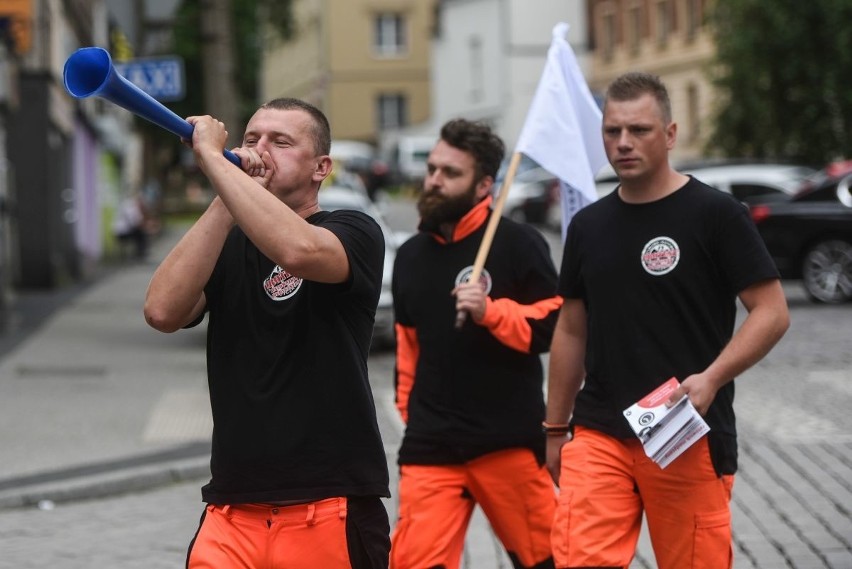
(659, 282)
(293, 412)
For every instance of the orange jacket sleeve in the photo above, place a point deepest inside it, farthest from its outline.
(526, 328)
(407, 352)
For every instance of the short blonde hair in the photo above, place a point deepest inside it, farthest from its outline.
(634, 84)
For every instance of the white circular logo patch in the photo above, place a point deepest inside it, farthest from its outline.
(281, 285)
(660, 255)
(484, 278)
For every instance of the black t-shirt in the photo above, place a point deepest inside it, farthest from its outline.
(293, 412)
(472, 394)
(659, 281)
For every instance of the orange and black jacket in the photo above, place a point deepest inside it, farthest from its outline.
(467, 392)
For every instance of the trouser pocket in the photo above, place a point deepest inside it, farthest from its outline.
(712, 546)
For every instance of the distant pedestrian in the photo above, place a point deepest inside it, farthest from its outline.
(298, 466)
(130, 225)
(650, 276)
(472, 398)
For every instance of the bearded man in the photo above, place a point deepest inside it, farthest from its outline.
(471, 397)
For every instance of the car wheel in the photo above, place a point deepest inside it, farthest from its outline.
(827, 271)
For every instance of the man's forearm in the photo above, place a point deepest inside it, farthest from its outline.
(176, 288)
(767, 321)
(567, 362)
(564, 379)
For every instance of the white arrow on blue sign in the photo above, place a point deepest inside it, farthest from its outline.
(160, 77)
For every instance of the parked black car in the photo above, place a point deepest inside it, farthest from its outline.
(810, 235)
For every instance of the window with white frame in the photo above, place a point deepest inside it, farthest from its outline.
(664, 23)
(694, 113)
(608, 35)
(389, 38)
(693, 18)
(477, 69)
(392, 110)
(634, 23)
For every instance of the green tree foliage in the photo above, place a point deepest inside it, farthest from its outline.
(249, 19)
(783, 67)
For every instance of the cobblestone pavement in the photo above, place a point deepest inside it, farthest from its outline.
(791, 509)
(150, 530)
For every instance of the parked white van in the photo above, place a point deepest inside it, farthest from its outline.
(754, 182)
(407, 155)
(746, 182)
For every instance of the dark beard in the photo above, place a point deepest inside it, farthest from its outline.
(436, 208)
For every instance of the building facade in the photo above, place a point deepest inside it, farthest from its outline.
(60, 178)
(9, 103)
(488, 56)
(45, 247)
(365, 63)
(669, 38)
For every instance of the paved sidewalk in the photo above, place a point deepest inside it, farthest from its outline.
(94, 404)
(93, 401)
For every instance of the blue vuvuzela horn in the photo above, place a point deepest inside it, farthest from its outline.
(89, 72)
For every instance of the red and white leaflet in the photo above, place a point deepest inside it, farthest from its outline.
(665, 432)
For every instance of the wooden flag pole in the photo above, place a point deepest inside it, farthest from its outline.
(488, 237)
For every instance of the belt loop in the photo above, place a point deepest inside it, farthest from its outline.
(342, 506)
(310, 519)
(226, 511)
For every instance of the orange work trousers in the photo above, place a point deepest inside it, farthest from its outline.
(436, 503)
(336, 533)
(606, 484)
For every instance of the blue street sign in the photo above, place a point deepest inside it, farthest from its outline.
(160, 77)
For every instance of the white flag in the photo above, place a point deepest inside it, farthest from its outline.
(562, 131)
